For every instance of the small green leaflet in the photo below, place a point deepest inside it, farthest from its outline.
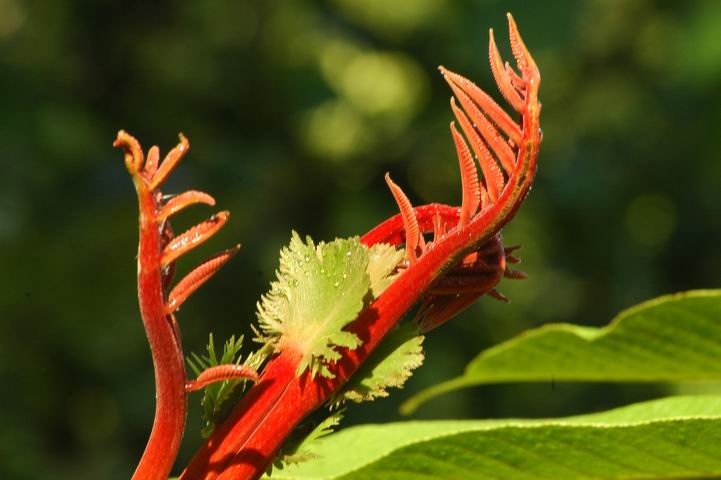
(298, 450)
(216, 395)
(390, 365)
(319, 291)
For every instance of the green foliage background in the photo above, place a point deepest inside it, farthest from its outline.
(294, 111)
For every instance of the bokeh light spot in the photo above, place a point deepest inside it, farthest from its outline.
(400, 20)
(376, 83)
(333, 131)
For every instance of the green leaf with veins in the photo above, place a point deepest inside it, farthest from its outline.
(319, 291)
(668, 339)
(673, 438)
(390, 365)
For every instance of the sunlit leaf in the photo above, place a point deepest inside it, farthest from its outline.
(671, 338)
(319, 291)
(673, 438)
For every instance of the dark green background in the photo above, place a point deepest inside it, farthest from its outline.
(295, 110)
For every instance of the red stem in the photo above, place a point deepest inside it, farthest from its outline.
(157, 251)
(164, 339)
(245, 444)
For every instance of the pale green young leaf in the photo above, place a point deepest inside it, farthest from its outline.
(673, 438)
(671, 338)
(390, 365)
(383, 263)
(319, 291)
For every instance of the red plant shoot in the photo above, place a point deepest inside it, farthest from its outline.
(464, 260)
(158, 250)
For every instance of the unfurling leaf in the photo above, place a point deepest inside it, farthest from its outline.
(319, 291)
(390, 365)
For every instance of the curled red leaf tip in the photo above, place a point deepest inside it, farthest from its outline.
(183, 200)
(193, 237)
(220, 373)
(169, 163)
(196, 278)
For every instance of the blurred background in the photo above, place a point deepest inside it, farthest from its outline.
(294, 111)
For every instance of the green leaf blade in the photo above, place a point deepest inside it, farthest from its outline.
(673, 438)
(671, 338)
